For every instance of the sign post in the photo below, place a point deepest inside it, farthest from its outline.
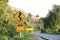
(20, 36)
(20, 27)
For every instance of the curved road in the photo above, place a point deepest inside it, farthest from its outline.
(42, 36)
(36, 38)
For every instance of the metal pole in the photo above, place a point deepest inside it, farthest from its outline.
(20, 36)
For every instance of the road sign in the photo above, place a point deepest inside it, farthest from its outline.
(22, 16)
(20, 28)
(29, 29)
(16, 16)
(19, 16)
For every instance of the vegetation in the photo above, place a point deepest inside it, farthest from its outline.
(49, 24)
(52, 20)
(8, 23)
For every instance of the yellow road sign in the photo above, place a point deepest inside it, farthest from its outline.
(16, 16)
(29, 29)
(20, 27)
(22, 16)
(19, 16)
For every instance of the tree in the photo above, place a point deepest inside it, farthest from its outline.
(7, 23)
(4, 1)
(29, 17)
(52, 20)
(37, 15)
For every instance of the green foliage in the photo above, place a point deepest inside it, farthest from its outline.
(4, 1)
(4, 38)
(8, 23)
(1, 11)
(52, 20)
(37, 15)
(29, 17)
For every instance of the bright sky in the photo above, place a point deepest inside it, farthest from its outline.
(35, 7)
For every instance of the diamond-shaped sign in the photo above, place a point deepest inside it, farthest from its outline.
(19, 16)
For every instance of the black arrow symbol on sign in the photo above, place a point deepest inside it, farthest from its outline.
(19, 15)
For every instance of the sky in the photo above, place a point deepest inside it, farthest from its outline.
(35, 7)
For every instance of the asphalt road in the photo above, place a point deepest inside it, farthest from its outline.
(46, 36)
(36, 38)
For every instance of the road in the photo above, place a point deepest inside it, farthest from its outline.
(39, 36)
(36, 38)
